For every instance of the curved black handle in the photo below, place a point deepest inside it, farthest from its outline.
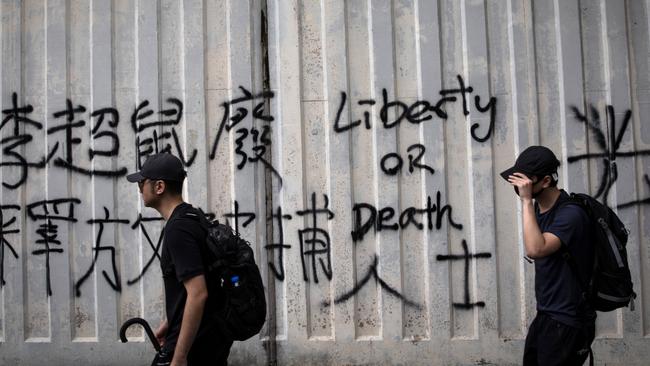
(146, 327)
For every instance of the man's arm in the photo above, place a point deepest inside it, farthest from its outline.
(536, 243)
(197, 294)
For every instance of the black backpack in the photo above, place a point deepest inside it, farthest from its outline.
(232, 275)
(610, 286)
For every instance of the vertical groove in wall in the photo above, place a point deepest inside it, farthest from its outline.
(331, 192)
(350, 162)
(644, 299)
(585, 102)
(534, 25)
(48, 65)
(92, 189)
(92, 105)
(205, 97)
(639, 85)
(521, 274)
(399, 94)
(425, 237)
(495, 179)
(532, 103)
(160, 64)
(519, 283)
(119, 244)
(271, 345)
(560, 78)
(4, 251)
(471, 273)
(626, 327)
(442, 31)
(304, 201)
(352, 320)
(633, 104)
(183, 89)
(22, 195)
(229, 95)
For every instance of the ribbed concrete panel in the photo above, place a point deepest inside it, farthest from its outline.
(356, 144)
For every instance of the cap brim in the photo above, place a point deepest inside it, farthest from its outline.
(508, 172)
(135, 177)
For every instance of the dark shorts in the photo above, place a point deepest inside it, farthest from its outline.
(551, 343)
(209, 350)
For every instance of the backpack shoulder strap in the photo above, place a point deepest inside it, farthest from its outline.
(198, 215)
(579, 200)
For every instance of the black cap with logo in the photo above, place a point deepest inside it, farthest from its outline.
(535, 160)
(161, 166)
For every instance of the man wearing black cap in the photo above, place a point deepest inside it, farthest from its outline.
(188, 335)
(562, 331)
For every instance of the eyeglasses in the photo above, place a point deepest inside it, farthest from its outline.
(145, 181)
(142, 183)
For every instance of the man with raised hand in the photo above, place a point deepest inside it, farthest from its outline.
(562, 331)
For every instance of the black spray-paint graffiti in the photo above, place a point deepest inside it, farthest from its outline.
(608, 138)
(151, 135)
(48, 213)
(140, 223)
(277, 264)
(234, 112)
(11, 145)
(237, 214)
(149, 141)
(115, 282)
(466, 257)
(419, 112)
(373, 273)
(392, 163)
(51, 211)
(69, 140)
(315, 241)
(383, 219)
(643, 201)
(7, 229)
(315, 245)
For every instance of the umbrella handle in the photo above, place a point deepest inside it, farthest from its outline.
(144, 325)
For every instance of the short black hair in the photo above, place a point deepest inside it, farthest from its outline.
(174, 187)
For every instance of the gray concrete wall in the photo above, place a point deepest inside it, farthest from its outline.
(298, 130)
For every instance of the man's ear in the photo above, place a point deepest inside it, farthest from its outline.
(547, 181)
(159, 187)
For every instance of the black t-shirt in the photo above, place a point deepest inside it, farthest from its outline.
(557, 290)
(181, 259)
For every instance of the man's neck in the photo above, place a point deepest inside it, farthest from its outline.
(167, 206)
(547, 199)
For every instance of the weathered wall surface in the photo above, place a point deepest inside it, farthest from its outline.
(356, 143)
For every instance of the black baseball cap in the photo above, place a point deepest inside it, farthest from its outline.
(535, 160)
(161, 166)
